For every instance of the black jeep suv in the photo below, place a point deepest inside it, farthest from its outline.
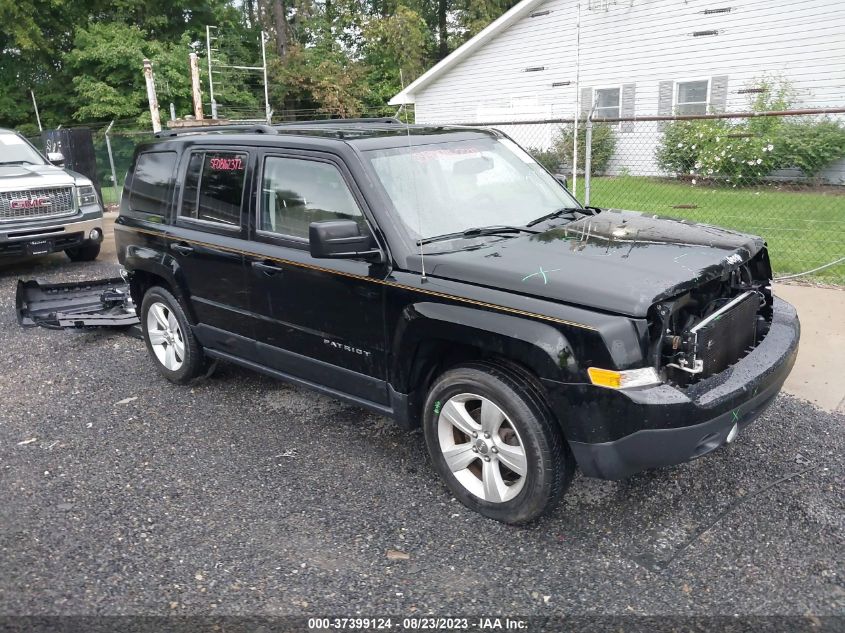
(439, 276)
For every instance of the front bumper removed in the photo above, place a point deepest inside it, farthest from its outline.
(678, 425)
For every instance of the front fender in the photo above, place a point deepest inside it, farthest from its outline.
(542, 347)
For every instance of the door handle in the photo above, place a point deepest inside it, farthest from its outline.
(182, 249)
(267, 269)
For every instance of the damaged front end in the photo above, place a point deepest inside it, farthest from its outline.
(709, 328)
(96, 303)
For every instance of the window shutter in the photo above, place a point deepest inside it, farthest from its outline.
(719, 93)
(586, 101)
(626, 109)
(664, 98)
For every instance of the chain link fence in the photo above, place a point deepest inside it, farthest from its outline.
(117, 148)
(780, 175)
(113, 150)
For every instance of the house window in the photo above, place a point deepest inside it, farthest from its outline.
(691, 97)
(607, 103)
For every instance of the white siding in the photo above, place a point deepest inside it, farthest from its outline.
(644, 42)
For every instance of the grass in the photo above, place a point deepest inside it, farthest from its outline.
(804, 228)
(111, 195)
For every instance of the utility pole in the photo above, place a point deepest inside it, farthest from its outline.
(38, 117)
(266, 93)
(210, 80)
(577, 102)
(151, 95)
(195, 86)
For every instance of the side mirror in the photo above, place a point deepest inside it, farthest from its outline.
(562, 180)
(340, 239)
(56, 158)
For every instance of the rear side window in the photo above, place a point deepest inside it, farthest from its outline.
(214, 187)
(152, 184)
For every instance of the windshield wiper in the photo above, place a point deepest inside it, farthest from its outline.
(16, 162)
(476, 232)
(570, 213)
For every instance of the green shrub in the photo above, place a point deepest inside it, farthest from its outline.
(737, 153)
(551, 159)
(560, 153)
(812, 145)
(744, 151)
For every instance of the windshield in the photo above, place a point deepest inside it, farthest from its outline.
(15, 150)
(450, 187)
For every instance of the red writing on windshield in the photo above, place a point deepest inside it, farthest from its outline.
(434, 154)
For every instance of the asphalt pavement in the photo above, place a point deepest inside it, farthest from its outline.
(123, 494)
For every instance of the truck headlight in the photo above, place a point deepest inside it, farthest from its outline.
(623, 379)
(87, 195)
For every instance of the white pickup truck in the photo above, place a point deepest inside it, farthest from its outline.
(43, 207)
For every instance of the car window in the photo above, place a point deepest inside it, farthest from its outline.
(214, 186)
(152, 184)
(15, 150)
(440, 188)
(297, 192)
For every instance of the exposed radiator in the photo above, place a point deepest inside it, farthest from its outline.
(725, 336)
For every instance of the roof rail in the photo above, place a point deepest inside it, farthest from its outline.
(251, 128)
(387, 119)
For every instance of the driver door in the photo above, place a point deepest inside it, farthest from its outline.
(320, 320)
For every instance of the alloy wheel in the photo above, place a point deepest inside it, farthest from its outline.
(165, 336)
(482, 447)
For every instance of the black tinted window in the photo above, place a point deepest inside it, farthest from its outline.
(297, 192)
(214, 186)
(152, 183)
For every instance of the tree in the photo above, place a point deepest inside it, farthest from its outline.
(399, 42)
(83, 57)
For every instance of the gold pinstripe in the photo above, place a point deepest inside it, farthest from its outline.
(393, 284)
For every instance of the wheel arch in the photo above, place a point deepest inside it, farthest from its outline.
(431, 338)
(144, 273)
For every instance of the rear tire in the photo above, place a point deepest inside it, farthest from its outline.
(170, 341)
(87, 252)
(494, 440)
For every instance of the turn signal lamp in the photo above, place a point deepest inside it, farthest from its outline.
(623, 379)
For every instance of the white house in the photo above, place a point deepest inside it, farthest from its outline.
(636, 58)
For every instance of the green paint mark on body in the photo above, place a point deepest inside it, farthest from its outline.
(541, 273)
(437, 407)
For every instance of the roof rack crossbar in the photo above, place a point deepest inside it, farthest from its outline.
(387, 119)
(252, 128)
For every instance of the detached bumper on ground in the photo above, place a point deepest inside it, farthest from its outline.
(670, 426)
(94, 303)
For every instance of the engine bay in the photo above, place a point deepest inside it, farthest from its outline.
(707, 329)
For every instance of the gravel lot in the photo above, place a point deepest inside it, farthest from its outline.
(123, 494)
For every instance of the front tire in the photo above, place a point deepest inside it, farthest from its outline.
(167, 333)
(87, 252)
(495, 442)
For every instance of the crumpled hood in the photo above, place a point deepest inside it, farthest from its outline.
(17, 177)
(618, 261)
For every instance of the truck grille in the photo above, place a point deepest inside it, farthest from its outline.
(725, 339)
(33, 204)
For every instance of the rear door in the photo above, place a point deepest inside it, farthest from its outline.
(321, 320)
(207, 239)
